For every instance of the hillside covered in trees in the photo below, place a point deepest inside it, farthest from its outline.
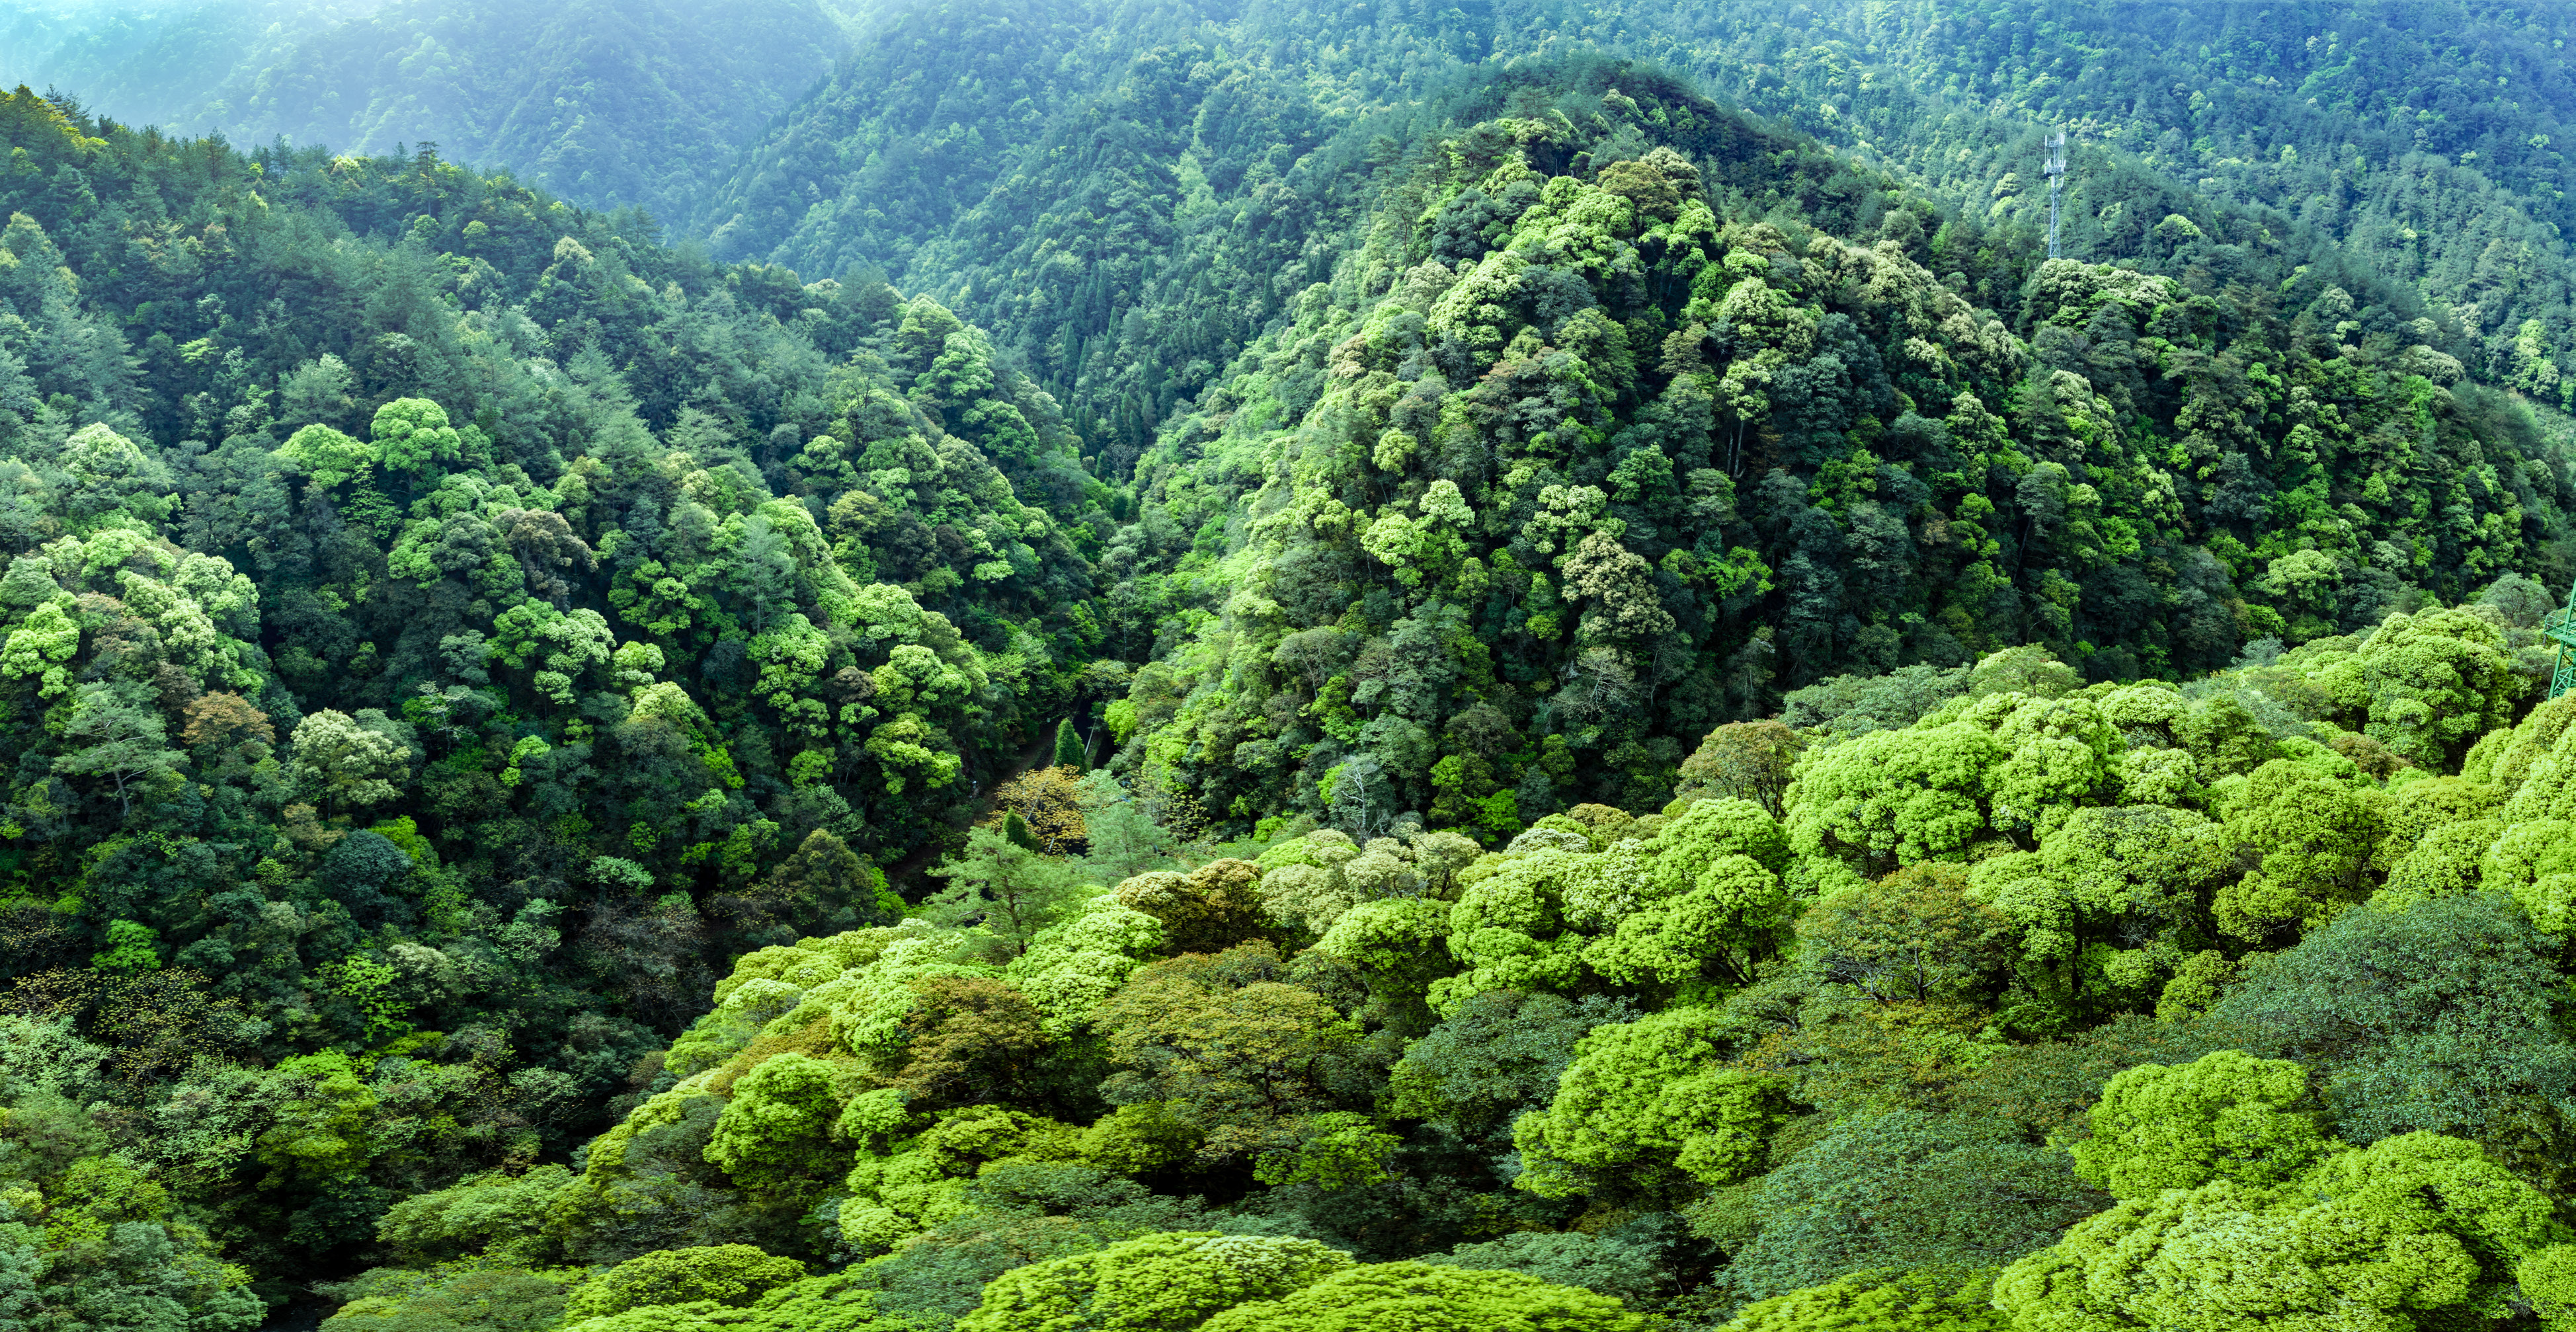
(635, 104)
(2418, 138)
(1282, 670)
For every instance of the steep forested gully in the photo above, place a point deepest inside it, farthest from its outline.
(1297, 668)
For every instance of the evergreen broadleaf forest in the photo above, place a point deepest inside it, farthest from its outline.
(1286, 667)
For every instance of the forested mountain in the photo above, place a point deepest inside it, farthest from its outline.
(2426, 138)
(2411, 141)
(156, 64)
(376, 456)
(1275, 668)
(610, 105)
(1184, 243)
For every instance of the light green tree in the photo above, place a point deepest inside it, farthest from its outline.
(1134, 1139)
(325, 1130)
(2445, 862)
(1396, 942)
(1647, 1108)
(1508, 928)
(2425, 685)
(502, 1213)
(835, 1303)
(733, 1275)
(343, 763)
(2536, 863)
(1418, 1297)
(326, 455)
(2225, 1116)
(923, 1181)
(2415, 1231)
(1744, 760)
(1072, 966)
(1876, 1302)
(412, 435)
(43, 646)
(1684, 848)
(2109, 899)
(2314, 837)
(2006, 765)
(2548, 1280)
(110, 480)
(132, 946)
(1172, 1280)
(1728, 921)
(775, 1137)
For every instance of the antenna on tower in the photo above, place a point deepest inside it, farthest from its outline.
(2056, 185)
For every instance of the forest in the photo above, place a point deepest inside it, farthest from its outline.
(631, 104)
(1294, 669)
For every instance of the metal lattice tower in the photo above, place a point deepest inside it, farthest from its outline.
(2056, 185)
(2560, 626)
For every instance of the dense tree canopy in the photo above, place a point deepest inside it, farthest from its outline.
(1285, 668)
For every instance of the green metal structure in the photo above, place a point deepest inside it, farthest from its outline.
(2561, 628)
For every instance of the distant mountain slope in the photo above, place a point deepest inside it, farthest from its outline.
(148, 64)
(2428, 139)
(639, 103)
(2421, 143)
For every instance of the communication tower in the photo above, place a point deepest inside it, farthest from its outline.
(2056, 185)
(2560, 627)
